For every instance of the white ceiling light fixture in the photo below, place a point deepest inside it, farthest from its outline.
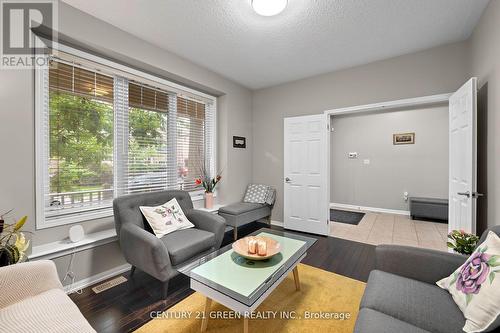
(269, 7)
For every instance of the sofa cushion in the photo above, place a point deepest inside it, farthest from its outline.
(417, 303)
(242, 213)
(240, 208)
(184, 244)
(51, 311)
(371, 321)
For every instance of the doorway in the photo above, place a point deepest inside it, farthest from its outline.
(462, 186)
(307, 171)
(380, 161)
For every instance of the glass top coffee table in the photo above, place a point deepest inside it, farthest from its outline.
(242, 284)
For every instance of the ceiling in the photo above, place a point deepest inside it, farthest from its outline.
(310, 37)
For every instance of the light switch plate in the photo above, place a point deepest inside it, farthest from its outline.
(353, 155)
(366, 161)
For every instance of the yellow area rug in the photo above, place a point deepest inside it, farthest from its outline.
(327, 302)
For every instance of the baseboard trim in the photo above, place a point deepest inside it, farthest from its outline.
(84, 283)
(370, 209)
(277, 223)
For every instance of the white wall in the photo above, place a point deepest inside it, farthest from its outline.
(17, 187)
(439, 70)
(421, 169)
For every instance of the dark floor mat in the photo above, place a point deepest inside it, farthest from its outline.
(344, 216)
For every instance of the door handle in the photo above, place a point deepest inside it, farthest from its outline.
(466, 194)
(476, 195)
(288, 180)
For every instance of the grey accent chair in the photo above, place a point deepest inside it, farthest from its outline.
(402, 296)
(159, 257)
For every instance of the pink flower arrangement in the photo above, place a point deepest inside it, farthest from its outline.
(207, 181)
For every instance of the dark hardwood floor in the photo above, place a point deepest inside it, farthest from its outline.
(128, 306)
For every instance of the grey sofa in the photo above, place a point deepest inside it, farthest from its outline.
(159, 257)
(401, 294)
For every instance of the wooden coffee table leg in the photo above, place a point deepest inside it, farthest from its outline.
(245, 325)
(206, 314)
(296, 277)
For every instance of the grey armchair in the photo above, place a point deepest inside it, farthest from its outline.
(159, 257)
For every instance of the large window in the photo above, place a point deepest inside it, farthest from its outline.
(148, 153)
(80, 139)
(191, 150)
(102, 133)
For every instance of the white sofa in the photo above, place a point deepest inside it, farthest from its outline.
(32, 299)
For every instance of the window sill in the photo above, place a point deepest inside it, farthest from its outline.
(200, 195)
(66, 247)
(50, 222)
(55, 221)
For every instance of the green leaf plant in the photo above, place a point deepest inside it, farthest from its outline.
(462, 242)
(13, 244)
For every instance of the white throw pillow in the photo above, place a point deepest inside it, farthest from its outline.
(475, 286)
(166, 218)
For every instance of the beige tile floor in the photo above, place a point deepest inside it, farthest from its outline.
(381, 228)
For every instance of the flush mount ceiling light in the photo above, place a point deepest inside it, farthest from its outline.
(269, 7)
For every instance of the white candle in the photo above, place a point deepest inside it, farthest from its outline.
(252, 246)
(262, 247)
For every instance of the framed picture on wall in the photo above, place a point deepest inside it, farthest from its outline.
(403, 139)
(239, 142)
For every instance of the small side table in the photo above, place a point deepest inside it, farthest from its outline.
(215, 210)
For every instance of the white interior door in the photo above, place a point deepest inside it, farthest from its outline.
(462, 196)
(305, 178)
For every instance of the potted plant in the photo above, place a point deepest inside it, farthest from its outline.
(462, 242)
(13, 243)
(209, 183)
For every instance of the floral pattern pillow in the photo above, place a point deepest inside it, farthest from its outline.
(475, 287)
(166, 218)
